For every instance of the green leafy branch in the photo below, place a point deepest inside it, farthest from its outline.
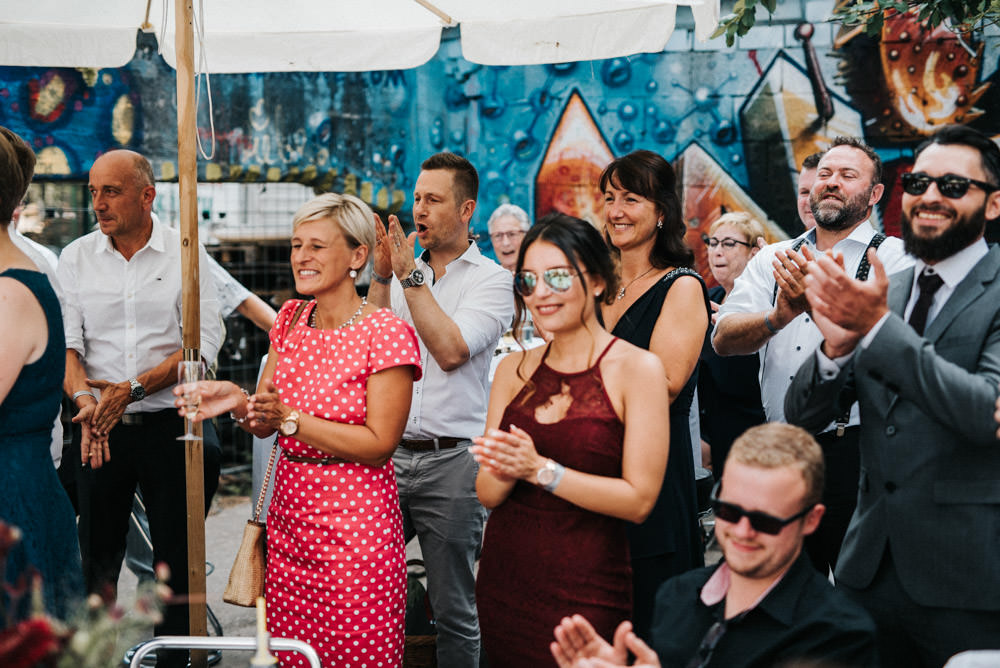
(960, 17)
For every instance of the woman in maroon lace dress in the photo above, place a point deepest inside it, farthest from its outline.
(573, 449)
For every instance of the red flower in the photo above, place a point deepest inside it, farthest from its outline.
(31, 643)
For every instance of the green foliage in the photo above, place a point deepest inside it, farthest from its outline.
(961, 17)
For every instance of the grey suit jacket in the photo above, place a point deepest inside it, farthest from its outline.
(929, 488)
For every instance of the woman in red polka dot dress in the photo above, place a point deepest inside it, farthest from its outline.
(336, 569)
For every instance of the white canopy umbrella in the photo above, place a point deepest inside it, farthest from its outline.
(345, 35)
(314, 35)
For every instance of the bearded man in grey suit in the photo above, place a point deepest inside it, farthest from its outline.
(921, 353)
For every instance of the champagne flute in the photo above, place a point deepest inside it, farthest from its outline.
(190, 372)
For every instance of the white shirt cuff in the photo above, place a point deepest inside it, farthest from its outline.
(830, 368)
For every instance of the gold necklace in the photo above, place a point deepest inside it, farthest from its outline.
(350, 321)
(621, 292)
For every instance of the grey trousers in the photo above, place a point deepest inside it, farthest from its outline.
(437, 494)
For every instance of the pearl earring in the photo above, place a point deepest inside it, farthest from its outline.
(353, 273)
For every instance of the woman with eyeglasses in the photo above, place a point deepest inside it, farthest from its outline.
(728, 388)
(663, 307)
(574, 449)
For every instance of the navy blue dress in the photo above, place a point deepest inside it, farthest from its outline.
(669, 541)
(32, 498)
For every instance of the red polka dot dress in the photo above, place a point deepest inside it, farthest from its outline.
(336, 567)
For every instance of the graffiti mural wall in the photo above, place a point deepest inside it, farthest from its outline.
(736, 122)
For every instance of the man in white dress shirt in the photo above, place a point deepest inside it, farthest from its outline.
(767, 312)
(460, 303)
(122, 311)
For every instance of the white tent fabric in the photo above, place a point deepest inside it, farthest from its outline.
(344, 35)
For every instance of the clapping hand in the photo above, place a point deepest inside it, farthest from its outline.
(577, 645)
(507, 455)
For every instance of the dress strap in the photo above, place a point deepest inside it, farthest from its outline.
(605, 351)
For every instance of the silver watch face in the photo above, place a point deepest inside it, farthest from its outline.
(138, 392)
(288, 427)
(415, 278)
(546, 475)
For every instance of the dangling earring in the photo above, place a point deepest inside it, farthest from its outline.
(597, 294)
(659, 224)
(353, 273)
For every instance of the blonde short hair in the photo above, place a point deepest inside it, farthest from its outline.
(744, 222)
(776, 445)
(354, 218)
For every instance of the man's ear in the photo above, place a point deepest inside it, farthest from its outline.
(467, 208)
(813, 518)
(993, 205)
(876, 194)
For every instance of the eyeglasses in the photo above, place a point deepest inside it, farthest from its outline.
(559, 279)
(951, 186)
(502, 236)
(728, 243)
(762, 522)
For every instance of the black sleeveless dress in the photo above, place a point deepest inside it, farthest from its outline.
(543, 557)
(668, 542)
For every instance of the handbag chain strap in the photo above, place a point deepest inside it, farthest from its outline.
(274, 448)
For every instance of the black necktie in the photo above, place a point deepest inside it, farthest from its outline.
(928, 283)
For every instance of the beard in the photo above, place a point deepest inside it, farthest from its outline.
(850, 213)
(962, 232)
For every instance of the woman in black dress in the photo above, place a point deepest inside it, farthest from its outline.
(662, 306)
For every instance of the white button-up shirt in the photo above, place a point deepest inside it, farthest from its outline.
(477, 293)
(782, 356)
(123, 317)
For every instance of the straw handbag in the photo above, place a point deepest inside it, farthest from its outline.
(246, 579)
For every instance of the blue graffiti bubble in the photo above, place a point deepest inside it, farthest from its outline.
(736, 159)
(437, 138)
(703, 99)
(457, 137)
(492, 106)
(539, 100)
(651, 86)
(616, 72)
(624, 141)
(652, 111)
(495, 186)
(526, 147)
(560, 69)
(664, 132)
(723, 133)
(627, 111)
(602, 108)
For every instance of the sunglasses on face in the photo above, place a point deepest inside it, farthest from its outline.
(951, 186)
(559, 279)
(762, 522)
(728, 243)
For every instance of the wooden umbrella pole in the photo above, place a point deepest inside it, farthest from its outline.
(187, 170)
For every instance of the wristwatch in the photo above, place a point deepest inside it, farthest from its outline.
(290, 424)
(138, 392)
(414, 279)
(550, 475)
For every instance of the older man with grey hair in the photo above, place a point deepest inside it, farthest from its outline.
(507, 226)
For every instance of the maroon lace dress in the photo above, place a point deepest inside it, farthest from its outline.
(543, 557)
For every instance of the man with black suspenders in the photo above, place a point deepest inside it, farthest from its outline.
(767, 312)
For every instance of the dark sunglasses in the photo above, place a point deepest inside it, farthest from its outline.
(762, 522)
(728, 243)
(559, 279)
(951, 186)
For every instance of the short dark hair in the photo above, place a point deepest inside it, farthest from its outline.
(17, 166)
(961, 135)
(812, 160)
(648, 174)
(858, 143)
(464, 175)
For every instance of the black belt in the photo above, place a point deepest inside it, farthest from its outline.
(426, 444)
(151, 417)
(320, 461)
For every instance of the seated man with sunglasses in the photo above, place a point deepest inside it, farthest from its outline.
(920, 351)
(764, 604)
(768, 313)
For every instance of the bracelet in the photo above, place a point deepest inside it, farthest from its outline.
(767, 323)
(90, 393)
(384, 280)
(246, 395)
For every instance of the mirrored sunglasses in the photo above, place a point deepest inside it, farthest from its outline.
(951, 186)
(559, 279)
(762, 522)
